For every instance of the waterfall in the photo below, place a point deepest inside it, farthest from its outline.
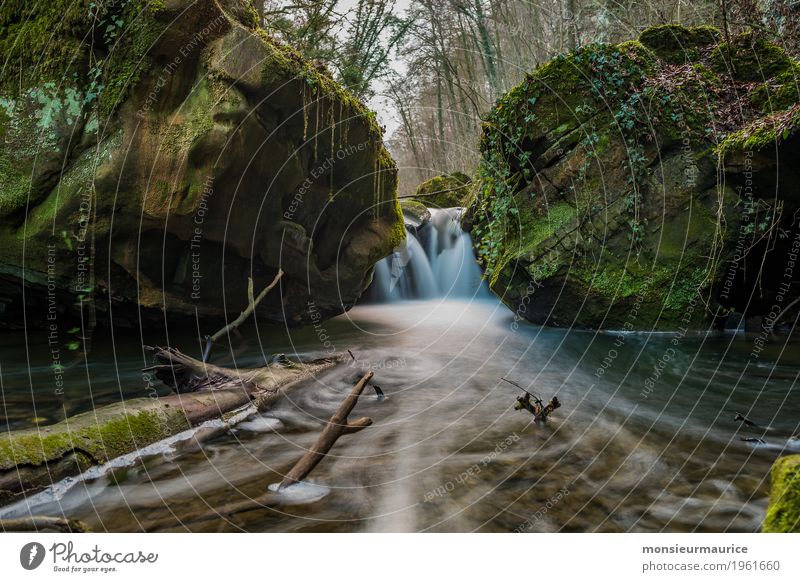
(435, 260)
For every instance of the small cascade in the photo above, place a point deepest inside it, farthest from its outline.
(435, 260)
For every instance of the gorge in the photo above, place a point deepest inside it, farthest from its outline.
(627, 240)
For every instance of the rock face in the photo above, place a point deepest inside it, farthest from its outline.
(157, 154)
(634, 186)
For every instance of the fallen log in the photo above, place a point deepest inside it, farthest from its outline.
(34, 459)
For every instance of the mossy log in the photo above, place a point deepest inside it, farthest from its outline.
(33, 459)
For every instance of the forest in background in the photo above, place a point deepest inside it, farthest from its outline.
(439, 65)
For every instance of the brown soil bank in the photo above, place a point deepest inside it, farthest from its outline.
(153, 155)
(636, 186)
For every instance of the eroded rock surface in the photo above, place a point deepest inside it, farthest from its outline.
(160, 153)
(635, 186)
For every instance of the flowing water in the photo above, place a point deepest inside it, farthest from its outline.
(648, 444)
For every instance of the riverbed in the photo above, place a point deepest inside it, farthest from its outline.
(447, 451)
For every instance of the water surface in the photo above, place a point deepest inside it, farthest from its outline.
(447, 451)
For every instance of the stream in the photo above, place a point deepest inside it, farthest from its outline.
(447, 451)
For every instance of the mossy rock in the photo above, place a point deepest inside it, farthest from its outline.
(783, 512)
(677, 44)
(415, 212)
(444, 191)
(779, 94)
(197, 133)
(598, 202)
(766, 133)
(750, 58)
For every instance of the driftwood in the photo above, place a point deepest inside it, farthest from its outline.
(252, 303)
(39, 523)
(337, 426)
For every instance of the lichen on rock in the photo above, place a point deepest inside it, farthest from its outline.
(180, 150)
(609, 194)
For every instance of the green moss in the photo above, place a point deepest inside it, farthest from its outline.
(444, 191)
(779, 93)
(750, 58)
(536, 230)
(100, 46)
(677, 44)
(398, 232)
(783, 512)
(15, 185)
(101, 438)
(129, 60)
(762, 133)
(42, 40)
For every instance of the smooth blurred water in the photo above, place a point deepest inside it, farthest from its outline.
(435, 260)
(447, 452)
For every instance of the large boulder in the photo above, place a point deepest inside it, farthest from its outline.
(444, 191)
(155, 155)
(634, 186)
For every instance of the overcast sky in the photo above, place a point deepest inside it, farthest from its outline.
(386, 114)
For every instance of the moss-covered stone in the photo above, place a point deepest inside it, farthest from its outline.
(415, 212)
(677, 44)
(783, 512)
(444, 191)
(186, 145)
(763, 133)
(598, 192)
(750, 58)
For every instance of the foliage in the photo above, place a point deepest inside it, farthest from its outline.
(355, 42)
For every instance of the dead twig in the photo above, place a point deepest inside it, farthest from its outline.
(252, 303)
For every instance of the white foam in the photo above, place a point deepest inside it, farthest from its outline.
(298, 493)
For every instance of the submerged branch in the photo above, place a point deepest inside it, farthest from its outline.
(337, 426)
